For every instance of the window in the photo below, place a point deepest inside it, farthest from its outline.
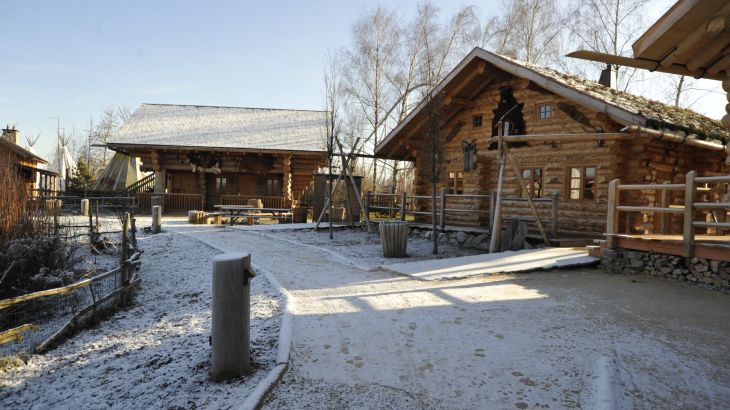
(273, 187)
(221, 185)
(533, 182)
(455, 183)
(544, 111)
(582, 183)
(478, 120)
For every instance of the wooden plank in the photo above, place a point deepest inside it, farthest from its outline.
(627, 208)
(690, 194)
(16, 333)
(611, 213)
(648, 245)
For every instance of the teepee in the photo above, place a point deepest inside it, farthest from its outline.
(121, 172)
(63, 162)
(30, 146)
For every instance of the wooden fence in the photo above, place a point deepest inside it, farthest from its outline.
(268, 201)
(171, 202)
(402, 205)
(688, 210)
(36, 313)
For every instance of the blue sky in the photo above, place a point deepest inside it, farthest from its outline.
(73, 59)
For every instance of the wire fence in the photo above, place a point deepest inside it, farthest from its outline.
(36, 321)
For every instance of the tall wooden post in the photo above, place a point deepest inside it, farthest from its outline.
(497, 217)
(403, 206)
(612, 217)
(554, 215)
(367, 210)
(442, 216)
(286, 185)
(690, 192)
(664, 217)
(123, 256)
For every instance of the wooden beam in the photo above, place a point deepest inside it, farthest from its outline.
(645, 64)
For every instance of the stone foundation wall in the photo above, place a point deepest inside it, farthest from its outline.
(472, 240)
(704, 272)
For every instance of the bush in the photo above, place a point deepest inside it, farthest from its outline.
(32, 264)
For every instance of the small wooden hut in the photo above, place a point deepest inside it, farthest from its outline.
(13, 157)
(202, 155)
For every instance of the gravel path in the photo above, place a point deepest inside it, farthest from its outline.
(564, 339)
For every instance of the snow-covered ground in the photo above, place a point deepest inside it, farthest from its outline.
(365, 338)
(361, 248)
(563, 339)
(154, 354)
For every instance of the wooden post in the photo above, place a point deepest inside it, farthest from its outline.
(403, 206)
(123, 256)
(367, 210)
(664, 217)
(230, 319)
(690, 191)
(497, 218)
(156, 219)
(612, 216)
(492, 204)
(554, 215)
(523, 189)
(442, 216)
(92, 237)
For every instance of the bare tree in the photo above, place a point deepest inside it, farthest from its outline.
(375, 46)
(609, 26)
(331, 96)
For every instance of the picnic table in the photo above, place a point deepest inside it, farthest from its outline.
(251, 213)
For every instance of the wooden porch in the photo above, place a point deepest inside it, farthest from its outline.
(706, 236)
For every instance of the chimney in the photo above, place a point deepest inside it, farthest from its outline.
(11, 134)
(609, 77)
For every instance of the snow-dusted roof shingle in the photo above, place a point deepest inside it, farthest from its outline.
(223, 127)
(625, 108)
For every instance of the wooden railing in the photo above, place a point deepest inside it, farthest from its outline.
(146, 184)
(402, 204)
(688, 210)
(268, 201)
(171, 202)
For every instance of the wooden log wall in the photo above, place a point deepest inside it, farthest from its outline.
(555, 159)
(240, 168)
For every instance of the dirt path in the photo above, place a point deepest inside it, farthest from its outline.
(558, 340)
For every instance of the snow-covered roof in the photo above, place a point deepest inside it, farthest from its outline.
(625, 108)
(658, 115)
(25, 153)
(223, 127)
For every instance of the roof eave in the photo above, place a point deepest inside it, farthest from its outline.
(122, 147)
(618, 114)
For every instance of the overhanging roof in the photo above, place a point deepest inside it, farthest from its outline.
(478, 69)
(223, 128)
(21, 151)
(692, 38)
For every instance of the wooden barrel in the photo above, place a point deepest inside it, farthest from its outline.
(394, 236)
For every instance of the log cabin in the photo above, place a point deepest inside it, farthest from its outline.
(571, 137)
(13, 157)
(199, 156)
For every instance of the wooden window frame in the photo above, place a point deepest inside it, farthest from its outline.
(221, 182)
(452, 182)
(480, 117)
(531, 181)
(538, 109)
(581, 183)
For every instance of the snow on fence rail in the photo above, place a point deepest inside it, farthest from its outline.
(33, 322)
